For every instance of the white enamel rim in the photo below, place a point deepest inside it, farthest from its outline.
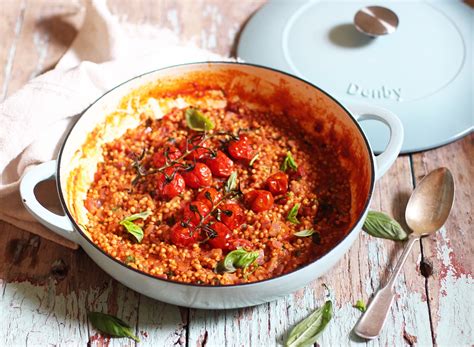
(66, 226)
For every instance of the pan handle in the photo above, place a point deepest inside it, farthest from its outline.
(61, 225)
(385, 159)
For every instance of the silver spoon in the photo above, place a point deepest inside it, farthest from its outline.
(426, 212)
(376, 21)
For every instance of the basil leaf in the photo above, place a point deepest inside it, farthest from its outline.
(255, 157)
(141, 215)
(129, 259)
(378, 224)
(307, 331)
(305, 233)
(231, 183)
(111, 325)
(197, 121)
(360, 305)
(246, 260)
(293, 213)
(132, 228)
(237, 259)
(289, 161)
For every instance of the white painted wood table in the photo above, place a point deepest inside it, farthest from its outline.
(46, 289)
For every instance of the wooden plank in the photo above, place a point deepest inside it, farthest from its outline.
(38, 303)
(48, 29)
(451, 286)
(217, 25)
(356, 276)
(12, 13)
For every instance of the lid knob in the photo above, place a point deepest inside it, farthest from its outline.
(376, 21)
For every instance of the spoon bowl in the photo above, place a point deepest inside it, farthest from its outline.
(431, 202)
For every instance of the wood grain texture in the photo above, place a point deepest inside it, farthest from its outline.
(47, 289)
(451, 249)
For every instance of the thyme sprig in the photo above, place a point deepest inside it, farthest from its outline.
(226, 196)
(192, 144)
(177, 163)
(232, 191)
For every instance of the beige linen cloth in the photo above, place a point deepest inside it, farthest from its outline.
(34, 120)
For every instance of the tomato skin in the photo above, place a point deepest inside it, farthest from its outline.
(223, 238)
(236, 218)
(183, 236)
(198, 153)
(169, 190)
(199, 176)
(195, 217)
(240, 243)
(241, 149)
(214, 194)
(221, 165)
(159, 158)
(277, 183)
(259, 200)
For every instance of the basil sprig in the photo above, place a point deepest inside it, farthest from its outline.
(378, 224)
(195, 120)
(307, 331)
(111, 325)
(293, 213)
(237, 259)
(132, 228)
(231, 183)
(289, 161)
(305, 233)
(360, 305)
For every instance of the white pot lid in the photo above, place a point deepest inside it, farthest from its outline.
(423, 71)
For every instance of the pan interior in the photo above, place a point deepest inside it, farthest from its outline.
(155, 93)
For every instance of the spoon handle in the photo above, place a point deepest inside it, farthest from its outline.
(373, 320)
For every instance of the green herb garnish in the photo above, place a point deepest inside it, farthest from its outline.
(132, 228)
(305, 233)
(129, 259)
(231, 183)
(255, 157)
(378, 224)
(307, 331)
(293, 213)
(289, 161)
(360, 305)
(111, 325)
(197, 121)
(238, 259)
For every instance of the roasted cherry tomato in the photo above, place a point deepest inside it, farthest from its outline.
(240, 243)
(170, 183)
(194, 211)
(277, 183)
(159, 158)
(199, 176)
(197, 153)
(241, 149)
(210, 196)
(220, 165)
(222, 237)
(259, 200)
(183, 236)
(232, 215)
